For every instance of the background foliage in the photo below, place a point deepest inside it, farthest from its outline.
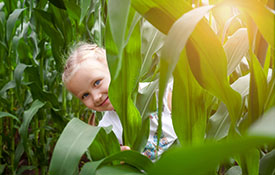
(223, 103)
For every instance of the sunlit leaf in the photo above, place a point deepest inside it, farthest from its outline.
(185, 160)
(257, 90)
(235, 48)
(189, 116)
(262, 16)
(121, 90)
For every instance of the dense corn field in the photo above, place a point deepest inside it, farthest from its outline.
(219, 52)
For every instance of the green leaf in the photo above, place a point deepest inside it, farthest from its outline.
(105, 144)
(2, 168)
(235, 170)
(118, 12)
(71, 145)
(10, 85)
(58, 3)
(6, 114)
(45, 19)
(123, 87)
(267, 163)
(119, 170)
(13, 17)
(133, 158)
(190, 115)
(262, 16)
(249, 162)
(28, 116)
(235, 48)
(195, 160)
(73, 10)
(218, 124)
(84, 6)
(18, 74)
(257, 91)
(265, 125)
(152, 41)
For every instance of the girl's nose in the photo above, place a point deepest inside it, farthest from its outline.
(97, 97)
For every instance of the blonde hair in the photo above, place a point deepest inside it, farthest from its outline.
(80, 53)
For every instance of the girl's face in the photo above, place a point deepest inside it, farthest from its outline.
(90, 84)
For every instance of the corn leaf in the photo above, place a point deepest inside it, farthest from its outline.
(85, 5)
(119, 170)
(11, 22)
(71, 145)
(235, 48)
(6, 114)
(257, 91)
(133, 158)
(218, 124)
(104, 144)
(27, 118)
(261, 15)
(267, 163)
(185, 160)
(121, 90)
(189, 116)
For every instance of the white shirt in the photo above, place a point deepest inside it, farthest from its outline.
(168, 134)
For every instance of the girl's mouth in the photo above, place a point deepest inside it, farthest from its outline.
(104, 102)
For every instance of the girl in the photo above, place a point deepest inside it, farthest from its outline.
(86, 75)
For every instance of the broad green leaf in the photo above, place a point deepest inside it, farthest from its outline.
(162, 14)
(104, 145)
(133, 158)
(262, 16)
(173, 46)
(209, 65)
(249, 162)
(257, 91)
(118, 16)
(119, 170)
(11, 84)
(6, 114)
(190, 115)
(265, 125)
(196, 159)
(235, 170)
(146, 104)
(2, 168)
(71, 145)
(84, 6)
(58, 3)
(27, 118)
(45, 19)
(218, 124)
(235, 48)
(18, 74)
(267, 163)
(152, 41)
(73, 10)
(11, 22)
(123, 85)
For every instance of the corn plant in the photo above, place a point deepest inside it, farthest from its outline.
(220, 54)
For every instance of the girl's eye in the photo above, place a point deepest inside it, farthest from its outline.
(85, 95)
(97, 82)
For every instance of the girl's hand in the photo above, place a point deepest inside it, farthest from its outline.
(124, 148)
